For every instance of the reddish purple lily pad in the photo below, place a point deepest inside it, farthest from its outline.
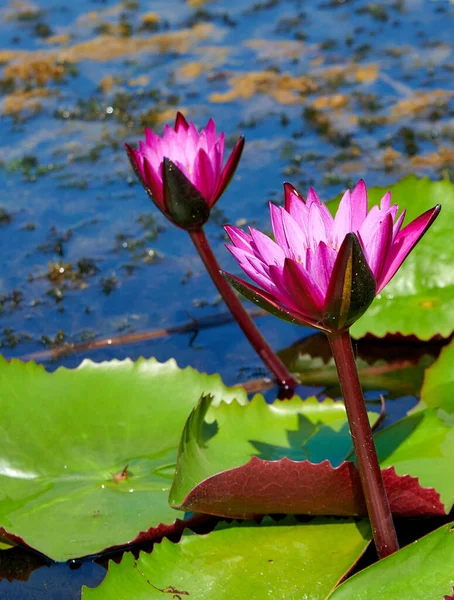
(292, 487)
(295, 458)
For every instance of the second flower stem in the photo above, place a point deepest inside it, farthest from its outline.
(371, 478)
(283, 378)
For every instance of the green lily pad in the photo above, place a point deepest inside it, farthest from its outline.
(437, 390)
(88, 455)
(244, 561)
(397, 369)
(421, 445)
(420, 571)
(243, 461)
(420, 298)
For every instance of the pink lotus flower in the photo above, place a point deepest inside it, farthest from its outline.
(323, 271)
(182, 170)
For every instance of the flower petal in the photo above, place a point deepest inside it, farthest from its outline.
(203, 177)
(290, 195)
(377, 247)
(404, 243)
(312, 197)
(398, 224)
(229, 169)
(136, 161)
(313, 202)
(343, 218)
(254, 268)
(297, 237)
(265, 301)
(210, 131)
(278, 226)
(303, 290)
(265, 249)
(180, 121)
(358, 205)
(320, 266)
(316, 228)
(153, 185)
(296, 207)
(239, 238)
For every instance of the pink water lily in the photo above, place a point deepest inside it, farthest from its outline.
(183, 170)
(324, 271)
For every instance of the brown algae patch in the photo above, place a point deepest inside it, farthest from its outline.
(47, 64)
(21, 100)
(419, 103)
(282, 87)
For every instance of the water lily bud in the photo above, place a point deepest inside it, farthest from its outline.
(182, 171)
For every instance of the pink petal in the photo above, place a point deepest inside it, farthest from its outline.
(136, 160)
(376, 248)
(203, 177)
(252, 267)
(169, 133)
(321, 266)
(239, 238)
(404, 243)
(312, 197)
(265, 249)
(296, 207)
(297, 236)
(229, 169)
(193, 136)
(358, 205)
(290, 195)
(385, 202)
(152, 153)
(300, 302)
(265, 300)
(210, 131)
(343, 218)
(302, 288)
(312, 202)
(151, 138)
(370, 223)
(398, 224)
(316, 227)
(216, 154)
(278, 227)
(154, 182)
(180, 121)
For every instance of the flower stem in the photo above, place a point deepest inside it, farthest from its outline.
(283, 378)
(371, 478)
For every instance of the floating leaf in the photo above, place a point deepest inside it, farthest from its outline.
(420, 299)
(421, 571)
(421, 445)
(243, 461)
(88, 455)
(437, 390)
(243, 561)
(396, 367)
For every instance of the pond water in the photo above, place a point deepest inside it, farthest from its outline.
(326, 92)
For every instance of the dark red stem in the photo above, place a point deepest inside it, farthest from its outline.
(371, 478)
(283, 378)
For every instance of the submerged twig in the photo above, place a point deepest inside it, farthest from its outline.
(193, 326)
